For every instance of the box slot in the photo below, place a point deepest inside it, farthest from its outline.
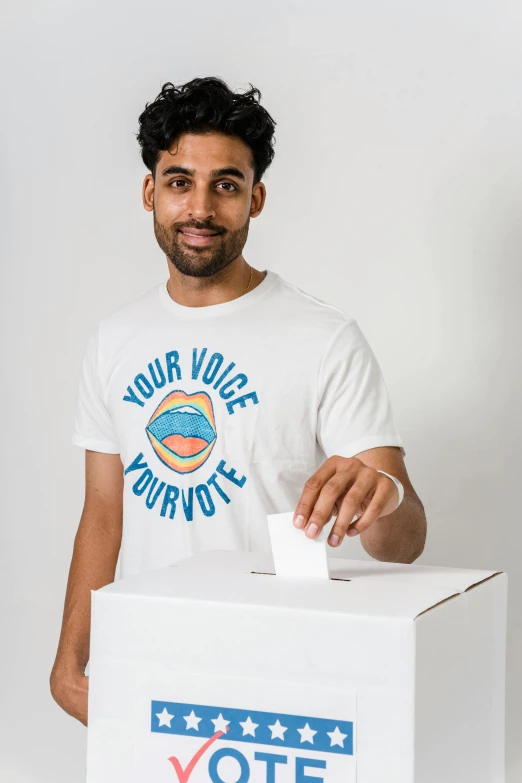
(332, 578)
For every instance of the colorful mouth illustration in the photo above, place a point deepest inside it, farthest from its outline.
(182, 430)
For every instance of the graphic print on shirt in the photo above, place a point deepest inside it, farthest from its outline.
(182, 432)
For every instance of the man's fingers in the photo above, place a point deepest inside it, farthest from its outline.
(324, 505)
(311, 491)
(373, 512)
(370, 515)
(361, 495)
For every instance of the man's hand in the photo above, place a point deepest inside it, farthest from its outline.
(344, 486)
(71, 692)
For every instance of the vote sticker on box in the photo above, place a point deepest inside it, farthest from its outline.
(230, 744)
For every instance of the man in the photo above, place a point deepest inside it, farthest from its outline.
(225, 393)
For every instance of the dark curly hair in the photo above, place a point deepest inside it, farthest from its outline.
(206, 105)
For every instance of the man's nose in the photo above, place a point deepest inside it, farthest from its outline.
(201, 204)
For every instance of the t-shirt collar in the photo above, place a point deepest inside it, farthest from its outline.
(245, 300)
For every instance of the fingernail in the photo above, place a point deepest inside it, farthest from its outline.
(312, 530)
(334, 540)
(352, 531)
(299, 521)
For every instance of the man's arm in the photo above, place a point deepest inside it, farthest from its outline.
(93, 565)
(398, 537)
(343, 486)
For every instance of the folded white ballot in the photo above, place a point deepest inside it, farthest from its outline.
(294, 553)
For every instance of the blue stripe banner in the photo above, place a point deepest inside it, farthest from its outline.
(252, 726)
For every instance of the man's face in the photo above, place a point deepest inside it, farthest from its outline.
(204, 197)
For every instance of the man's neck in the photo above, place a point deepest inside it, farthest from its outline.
(222, 287)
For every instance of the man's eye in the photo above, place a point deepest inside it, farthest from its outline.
(184, 181)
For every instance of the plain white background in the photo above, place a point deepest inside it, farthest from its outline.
(395, 194)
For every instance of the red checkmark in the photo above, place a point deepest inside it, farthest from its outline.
(184, 774)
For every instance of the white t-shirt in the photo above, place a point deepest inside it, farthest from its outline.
(221, 413)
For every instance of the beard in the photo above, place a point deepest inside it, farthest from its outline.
(200, 261)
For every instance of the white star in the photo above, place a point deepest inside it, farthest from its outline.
(336, 737)
(220, 724)
(164, 717)
(307, 734)
(278, 731)
(192, 721)
(249, 727)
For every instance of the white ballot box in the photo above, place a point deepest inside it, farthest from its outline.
(216, 670)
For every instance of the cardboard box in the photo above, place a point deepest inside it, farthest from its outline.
(217, 671)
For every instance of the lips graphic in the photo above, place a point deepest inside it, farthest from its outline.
(182, 430)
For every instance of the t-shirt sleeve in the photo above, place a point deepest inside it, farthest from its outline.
(93, 427)
(354, 408)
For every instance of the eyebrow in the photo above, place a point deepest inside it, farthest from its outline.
(230, 171)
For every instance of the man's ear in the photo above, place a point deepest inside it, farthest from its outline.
(148, 193)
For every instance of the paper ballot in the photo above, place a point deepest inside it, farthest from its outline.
(293, 552)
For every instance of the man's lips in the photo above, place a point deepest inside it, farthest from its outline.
(193, 239)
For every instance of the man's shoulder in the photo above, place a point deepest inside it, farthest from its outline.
(309, 310)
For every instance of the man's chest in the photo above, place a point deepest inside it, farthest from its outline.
(191, 404)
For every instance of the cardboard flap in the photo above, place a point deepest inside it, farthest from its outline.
(356, 587)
